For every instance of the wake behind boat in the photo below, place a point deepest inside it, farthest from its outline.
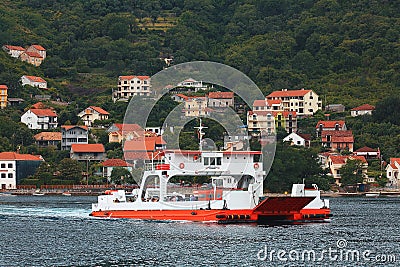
(236, 195)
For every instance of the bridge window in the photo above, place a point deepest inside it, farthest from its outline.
(212, 161)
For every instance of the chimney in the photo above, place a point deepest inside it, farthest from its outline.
(328, 116)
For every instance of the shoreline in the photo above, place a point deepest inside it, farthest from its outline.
(100, 192)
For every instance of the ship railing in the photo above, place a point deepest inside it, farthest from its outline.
(153, 166)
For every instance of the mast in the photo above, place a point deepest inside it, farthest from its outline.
(200, 133)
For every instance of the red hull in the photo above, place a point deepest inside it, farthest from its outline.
(286, 209)
(180, 215)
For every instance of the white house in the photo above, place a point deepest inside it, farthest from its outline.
(40, 119)
(298, 139)
(34, 81)
(73, 134)
(92, 113)
(14, 167)
(392, 171)
(179, 97)
(304, 102)
(365, 109)
(192, 84)
(129, 86)
(13, 51)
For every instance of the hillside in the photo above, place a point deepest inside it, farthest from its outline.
(347, 51)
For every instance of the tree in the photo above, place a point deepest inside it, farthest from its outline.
(351, 172)
(70, 169)
(44, 173)
(387, 110)
(120, 175)
(293, 165)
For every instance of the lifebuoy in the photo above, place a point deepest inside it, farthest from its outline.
(181, 165)
(195, 157)
(256, 166)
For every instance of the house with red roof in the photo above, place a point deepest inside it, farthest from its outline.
(267, 105)
(392, 171)
(35, 48)
(110, 164)
(40, 119)
(368, 153)
(220, 99)
(14, 167)
(73, 134)
(336, 162)
(92, 113)
(140, 150)
(45, 139)
(337, 125)
(303, 102)
(13, 50)
(261, 122)
(179, 97)
(33, 58)
(39, 105)
(365, 109)
(338, 140)
(88, 152)
(145, 144)
(132, 85)
(119, 132)
(34, 81)
(3, 96)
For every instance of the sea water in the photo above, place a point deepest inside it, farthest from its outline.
(58, 231)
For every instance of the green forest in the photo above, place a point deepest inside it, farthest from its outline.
(346, 51)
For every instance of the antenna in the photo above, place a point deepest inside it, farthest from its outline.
(200, 133)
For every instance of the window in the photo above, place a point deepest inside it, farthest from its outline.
(3, 175)
(206, 161)
(10, 175)
(3, 165)
(10, 165)
(212, 161)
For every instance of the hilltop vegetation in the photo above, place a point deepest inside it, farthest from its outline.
(346, 50)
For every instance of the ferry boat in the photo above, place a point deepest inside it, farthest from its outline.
(235, 196)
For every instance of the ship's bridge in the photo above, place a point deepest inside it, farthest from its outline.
(189, 162)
